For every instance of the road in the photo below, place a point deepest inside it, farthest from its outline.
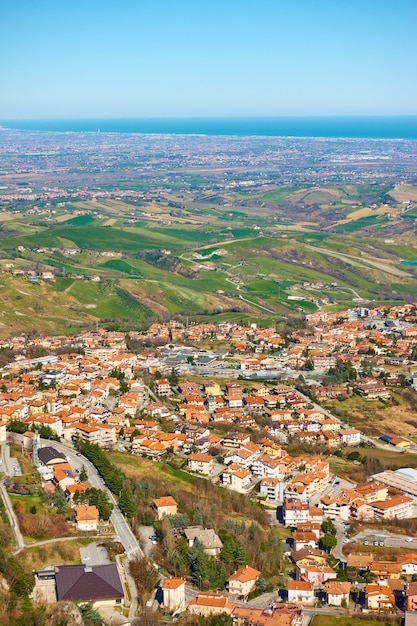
(341, 536)
(20, 543)
(120, 525)
(6, 464)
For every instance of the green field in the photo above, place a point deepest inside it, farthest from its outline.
(334, 620)
(255, 275)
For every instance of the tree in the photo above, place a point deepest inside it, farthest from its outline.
(126, 504)
(145, 576)
(199, 565)
(59, 501)
(328, 527)
(173, 379)
(90, 615)
(328, 542)
(83, 476)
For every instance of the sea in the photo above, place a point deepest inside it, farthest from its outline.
(381, 127)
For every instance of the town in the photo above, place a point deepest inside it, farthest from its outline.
(94, 425)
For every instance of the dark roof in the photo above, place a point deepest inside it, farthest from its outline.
(88, 584)
(48, 454)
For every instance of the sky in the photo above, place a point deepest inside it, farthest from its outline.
(178, 58)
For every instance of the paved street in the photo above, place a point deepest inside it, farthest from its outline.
(6, 465)
(120, 525)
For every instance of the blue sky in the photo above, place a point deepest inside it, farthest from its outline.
(168, 58)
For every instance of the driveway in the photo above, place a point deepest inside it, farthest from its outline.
(94, 554)
(145, 543)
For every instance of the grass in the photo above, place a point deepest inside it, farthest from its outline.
(374, 418)
(333, 620)
(277, 196)
(140, 468)
(57, 553)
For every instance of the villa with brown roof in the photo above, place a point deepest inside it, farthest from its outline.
(165, 506)
(337, 592)
(173, 591)
(243, 581)
(210, 604)
(87, 517)
(202, 463)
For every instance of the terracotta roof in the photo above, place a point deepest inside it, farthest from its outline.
(244, 574)
(300, 585)
(173, 583)
(211, 600)
(86, 513)
(165, 501)
(335, 587)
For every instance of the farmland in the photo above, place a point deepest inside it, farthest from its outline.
(203, 234)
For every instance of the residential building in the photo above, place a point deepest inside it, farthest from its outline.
(202, 463)
(378, 596)
(207, 604)
(87, 517)
(99, 584)
(173, 593)
(243, 581)
(301, 591)
(165, 506)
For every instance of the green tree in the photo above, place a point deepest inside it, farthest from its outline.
(126, 504)
(90, 615)
(83, 476)
(59, 501)
(328, 527)
(328, 542)
(199, 565)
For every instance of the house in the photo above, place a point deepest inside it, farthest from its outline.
(210, 604)
(99, 584)
(378, 596)
(87, 517)
(165, 506)
(243, 581)
(385, 569)
(304, 539)
(397, 507)
(277, 615)
(359, 561)
(63, 476)
(350, 436)
(372, 492)
(337, 593)
(236, 477)
(316, 574)
(162, 387)
(207, 536)
(202, 463)
(173, 592)
(411, 596)
(270, 488)
(295, 512)
(408, 563)
(301, 591)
